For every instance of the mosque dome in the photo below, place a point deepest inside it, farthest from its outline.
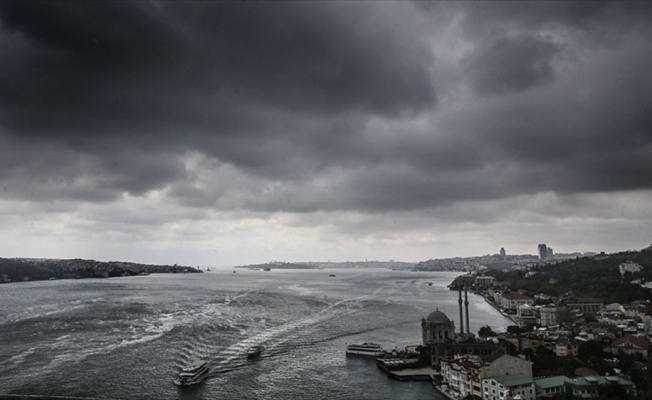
(437, 316)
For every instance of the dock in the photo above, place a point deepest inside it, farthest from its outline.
(392, 367)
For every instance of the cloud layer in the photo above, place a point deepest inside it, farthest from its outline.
(328, 119)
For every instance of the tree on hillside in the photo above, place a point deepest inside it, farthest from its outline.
(613, 391)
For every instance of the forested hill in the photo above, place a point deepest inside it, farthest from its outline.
(25, 269)
(597, 276)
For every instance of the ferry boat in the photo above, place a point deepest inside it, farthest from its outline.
(255, 351)
(367, 349)
(192, 373)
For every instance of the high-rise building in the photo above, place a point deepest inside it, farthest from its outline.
(543, 251)
(502, 252)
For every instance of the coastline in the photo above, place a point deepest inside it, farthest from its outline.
(491, 303)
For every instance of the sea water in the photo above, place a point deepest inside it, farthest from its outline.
(128, 338)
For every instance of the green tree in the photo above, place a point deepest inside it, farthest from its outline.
(613, 391)
(647, 392)
(564, 315)
(589, 349)
(486, 331)
(514, 329)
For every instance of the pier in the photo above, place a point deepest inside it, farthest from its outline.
(393, 368)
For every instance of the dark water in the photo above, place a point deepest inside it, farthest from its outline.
(127, 338)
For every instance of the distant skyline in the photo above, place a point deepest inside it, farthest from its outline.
(231, 133)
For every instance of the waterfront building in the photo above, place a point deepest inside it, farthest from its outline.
(511, 301)
(507, 387)
(438, 333)
(484, 281)
(504, 364)
(437, 328)
(550, 386)
(465, 374)
(462, 375)
(587, 386)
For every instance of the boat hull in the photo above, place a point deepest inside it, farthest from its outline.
(363, 353)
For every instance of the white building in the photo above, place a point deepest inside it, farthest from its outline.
(511, 301)
(548, 316)
(506, 387)
(460, 373)
(629, 266)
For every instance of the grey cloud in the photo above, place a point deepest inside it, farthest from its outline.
(329, 106)
(114, 66)
(512, 64)
(245, 83)
(601, 20)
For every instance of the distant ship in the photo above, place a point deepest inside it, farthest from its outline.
(365, 349)
(255, 351)
(192, 373)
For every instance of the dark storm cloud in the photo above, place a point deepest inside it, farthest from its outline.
(107, 67)
(246, 83)
(324, 106)
(512, 65)
(599, 19)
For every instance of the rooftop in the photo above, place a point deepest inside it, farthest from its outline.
(513, 380)
(599, 380)
(551, 381)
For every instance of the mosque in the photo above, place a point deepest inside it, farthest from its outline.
(438, 334)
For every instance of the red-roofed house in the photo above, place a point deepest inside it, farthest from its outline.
(585, 372)
(630, 345)
(513, 300)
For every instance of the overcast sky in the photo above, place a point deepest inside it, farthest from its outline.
(230, 133)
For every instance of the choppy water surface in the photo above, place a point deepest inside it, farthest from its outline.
(127, 338)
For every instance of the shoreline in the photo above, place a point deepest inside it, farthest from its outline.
(491, 303)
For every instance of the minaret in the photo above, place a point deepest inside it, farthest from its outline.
(461, 316)
(466, 305)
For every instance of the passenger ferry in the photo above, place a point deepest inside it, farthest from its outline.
(255, 351)
(366, 349)
(192, 373)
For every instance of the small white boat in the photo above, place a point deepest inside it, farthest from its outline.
(192, 373)
(367, 349)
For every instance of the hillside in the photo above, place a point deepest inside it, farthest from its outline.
(597, 276)
(26, 269)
